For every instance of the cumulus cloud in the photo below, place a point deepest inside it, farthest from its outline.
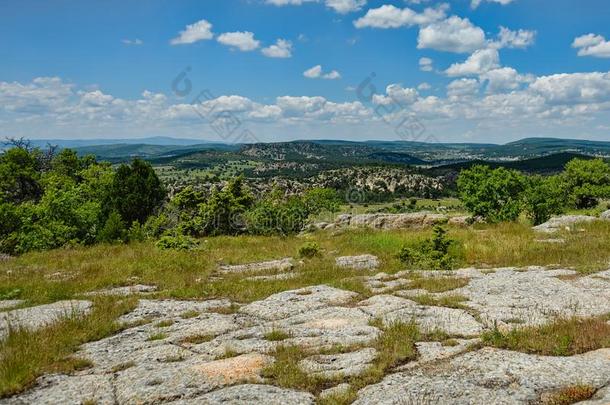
(514, 39)
(281, 49)
(463, 88)
(316, 72)
(389, 16)
(340, 6)
(242, 40)
(453, 34)
(199, 31)
(396, 94)
(424, 86)
(479, 62)
(504, 79)
(476, 3)
(425, 64)
(592, 45)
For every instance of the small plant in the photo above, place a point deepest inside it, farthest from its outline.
(123, 366)
(165, 323)
(276, 335)
(197, 339)
(309, 250)
(156, 336)
(179, 242)
(436, 253)
(189, 314)
(570, 395)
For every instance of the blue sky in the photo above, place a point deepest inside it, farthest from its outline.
(461, 70)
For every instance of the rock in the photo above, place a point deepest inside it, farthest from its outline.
(601, 397)
(605, 215)
(33, 318)
(124, 291)
(8, 304)
(391, 221)
(362, 262)
(558, 223)
(69, 390)
(336, 390)
(289, 303)
(434, 351)
(279, 276)
(282, 265)
(251, 394)
(489, 376)
(168, 309)
(4, 257)
(338, 365)
(551, 240)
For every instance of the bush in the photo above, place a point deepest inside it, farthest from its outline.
(494, 194)
(178, 242)
(114, 229)
(436, 253)
(586, 181)
(309, 249)
(543, 198)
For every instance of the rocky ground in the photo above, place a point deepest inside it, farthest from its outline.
(208, 352)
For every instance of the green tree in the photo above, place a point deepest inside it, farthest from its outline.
(544, 197)
(586, 181)
(135, 191)
(494, 194)
(19, 176)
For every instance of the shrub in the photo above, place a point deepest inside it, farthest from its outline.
(494, 194)
(179, 242)
(309, 249)
(436, 253)
(586, 181)
(543, 198)
(113, 230)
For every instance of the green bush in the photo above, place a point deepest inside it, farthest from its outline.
(436, 253)
(113, 230)
(309, 250)
(543, 198)
(586, 181)
(178, 242)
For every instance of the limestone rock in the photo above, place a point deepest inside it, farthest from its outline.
(282, 265)
(251, 394)
(124, 291)
(558, 223)
(337, 365)
(605, 215)
(362, 262)
(390, 221)
(42, 315)
(8, 304)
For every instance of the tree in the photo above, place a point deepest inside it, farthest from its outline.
(586, 181)
(543, 198)
(135, 192)
(494, 194)
(19, 176)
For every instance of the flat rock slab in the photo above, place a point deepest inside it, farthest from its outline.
(8, 304)
(37, 317)
(433, 351)
(489, 376)
(362, 262)
(390, 221)
(282, 265)
(337, 365)
(289, 303)
(124, 291)
(558, 223)
(251, 394)
(168, 309)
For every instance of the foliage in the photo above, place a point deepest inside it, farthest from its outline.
(494, 194)
(436, 253)
(179, 242)
(309, 249)
(114, 229)
(544, 197)
(586, 181)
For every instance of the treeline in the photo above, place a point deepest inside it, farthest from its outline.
(503, 194)
(49, 200)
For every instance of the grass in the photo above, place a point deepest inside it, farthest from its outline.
(276, 335)
(197, 339)
(438, 284)
(562, 337)
(165, 324)
(156, 336)
(449, 301)
(27, 354)
(569, 395)
(189, 314)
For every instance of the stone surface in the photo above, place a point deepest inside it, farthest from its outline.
(8, 304)
(489, 376)
(42, 315)
(124, 291)
(434, 351)
(565, 221)
(282, 265)
(390, 221)
(251, 394)
(605, 215)
(337, 365)
(362, 262)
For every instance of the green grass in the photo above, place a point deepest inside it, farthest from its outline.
(449, 301)
(438, 284)
(562, 337)
(27, 354)
(276, 335)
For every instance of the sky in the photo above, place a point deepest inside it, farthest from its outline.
(277, 70)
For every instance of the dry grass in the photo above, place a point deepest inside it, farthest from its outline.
(25, 354)
(562, 337)
(438, 284)
(277, 335)
(197, 339)
(449, 301)
(569, 395)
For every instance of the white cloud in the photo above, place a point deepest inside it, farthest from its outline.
(340, 6)
(479, 62)
(454, 34)
(567, 88)
(425, 64)
(281, 49)
(135, 41)
(199, 31)
(504, 79)
(424, 86)
(389, 16)
(592, 45)
(476, 3)
(316, 72)
(242, 40)
(463, 88)
(514, 39)
(397, 94)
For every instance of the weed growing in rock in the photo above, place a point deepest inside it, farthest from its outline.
(569, 395)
